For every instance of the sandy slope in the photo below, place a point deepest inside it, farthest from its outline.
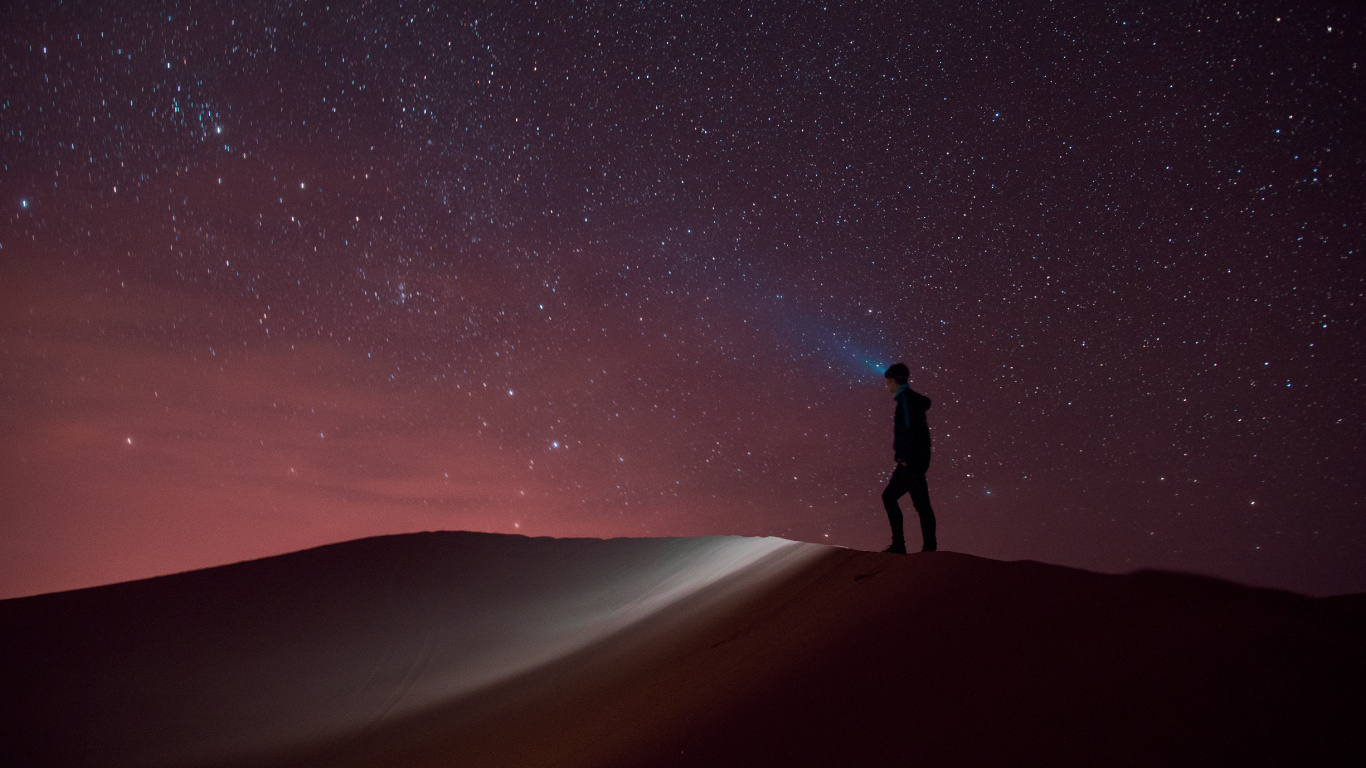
(476, 649)
(259, 660)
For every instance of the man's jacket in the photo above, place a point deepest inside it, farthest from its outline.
(911, 440)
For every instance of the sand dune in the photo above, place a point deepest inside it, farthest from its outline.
(482, 649)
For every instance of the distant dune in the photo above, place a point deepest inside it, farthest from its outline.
(466, 649)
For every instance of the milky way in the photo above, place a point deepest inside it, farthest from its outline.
(279, 274)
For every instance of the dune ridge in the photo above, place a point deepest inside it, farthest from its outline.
(483, 649)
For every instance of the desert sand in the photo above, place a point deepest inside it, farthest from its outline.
(465, 649)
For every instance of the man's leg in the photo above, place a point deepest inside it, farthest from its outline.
(896, 488)
(920, 497)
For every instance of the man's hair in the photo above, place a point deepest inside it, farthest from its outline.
(898, 373)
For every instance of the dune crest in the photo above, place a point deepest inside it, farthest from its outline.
(483, 649)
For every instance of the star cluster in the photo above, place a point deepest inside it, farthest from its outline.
(285, 273)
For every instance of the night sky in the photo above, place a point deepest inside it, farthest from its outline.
(281, 274)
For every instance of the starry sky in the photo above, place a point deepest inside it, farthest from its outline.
(281, 274)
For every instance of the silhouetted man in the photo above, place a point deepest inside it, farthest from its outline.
(911, 445)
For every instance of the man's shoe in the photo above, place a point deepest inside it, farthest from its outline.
(896, 549)
(929, 547)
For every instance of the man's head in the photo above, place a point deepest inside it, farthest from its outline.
(897, 375)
